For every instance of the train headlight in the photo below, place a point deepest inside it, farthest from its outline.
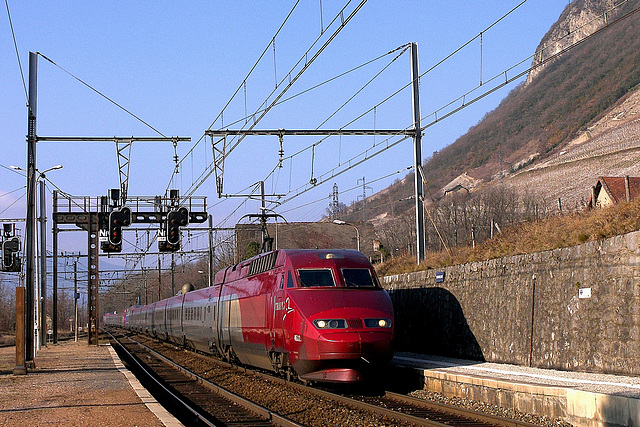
(330, 323)
(377, 323)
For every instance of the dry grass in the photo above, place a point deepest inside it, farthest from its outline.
(552, 233)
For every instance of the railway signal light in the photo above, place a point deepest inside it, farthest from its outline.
(175, 219)
(10, 257)
(118, 219)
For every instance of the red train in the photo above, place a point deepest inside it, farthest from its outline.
(317, 314)
(114, 319)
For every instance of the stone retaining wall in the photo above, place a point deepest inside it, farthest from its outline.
(575, 308)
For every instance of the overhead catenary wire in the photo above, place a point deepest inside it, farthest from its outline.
(292, 77)
(325, 82)
(244, 81)
(104, 96)
(266, 106)
(403, 49)
(15, 45)
(317, 86)
(356, 187)
(13, 191)
(462, 100)
(332, 173)
(14, 202)
(307, 64)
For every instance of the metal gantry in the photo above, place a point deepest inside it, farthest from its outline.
(220, 148)
(92, 213)
(88, 221)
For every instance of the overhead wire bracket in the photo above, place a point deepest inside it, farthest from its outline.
(123, 147)
(219, 148)
(281, 151)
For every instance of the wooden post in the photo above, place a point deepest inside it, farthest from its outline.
(21, 367)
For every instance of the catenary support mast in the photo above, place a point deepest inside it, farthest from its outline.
(417, 154)
(31, 208)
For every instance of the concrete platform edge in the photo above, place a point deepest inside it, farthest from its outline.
(580, 408)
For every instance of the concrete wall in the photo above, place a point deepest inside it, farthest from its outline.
(528, 309)
(308, 235)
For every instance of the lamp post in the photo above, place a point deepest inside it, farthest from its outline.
(340, 222)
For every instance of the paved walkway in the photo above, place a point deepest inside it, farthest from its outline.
(75, 384)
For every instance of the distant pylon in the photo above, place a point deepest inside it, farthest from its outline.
(335, 203)
(364, 197)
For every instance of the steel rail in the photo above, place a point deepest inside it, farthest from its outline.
(467, 413)
(391, 413)
(470, 417)
(186, 405)
(269, 415)
(467, 417)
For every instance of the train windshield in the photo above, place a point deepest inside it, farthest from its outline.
(358, 278)
(312, 278)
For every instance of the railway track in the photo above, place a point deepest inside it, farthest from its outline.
(190, 398)
(303, 405)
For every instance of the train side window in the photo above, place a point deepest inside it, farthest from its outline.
(316, 278)
(290, 283)
(282, 282)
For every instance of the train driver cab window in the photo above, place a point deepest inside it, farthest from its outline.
(358, 278)
(316, 278)
(290, 283)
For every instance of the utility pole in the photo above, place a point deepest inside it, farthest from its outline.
(266, 244)
(364, 197)
(31, 208)
(211, 249)
(417, 153)
(146, 293)
(43, 263)
(221, 150)
(75, 300)
(159, 277)
(173, 274)
(55, 274)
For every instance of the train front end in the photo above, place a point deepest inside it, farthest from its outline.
(344, 318)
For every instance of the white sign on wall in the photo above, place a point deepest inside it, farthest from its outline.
(584, 293)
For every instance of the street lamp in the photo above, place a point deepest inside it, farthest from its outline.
(340, 222)
(41, 174)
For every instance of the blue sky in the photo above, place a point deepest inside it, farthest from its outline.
(176, 65)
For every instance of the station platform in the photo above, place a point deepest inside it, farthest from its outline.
(74, 384)
(582, 399)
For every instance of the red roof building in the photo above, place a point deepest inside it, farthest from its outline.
(610, 190)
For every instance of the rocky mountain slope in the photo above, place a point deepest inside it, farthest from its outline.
(574, 119)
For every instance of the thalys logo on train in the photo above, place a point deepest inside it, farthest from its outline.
(284, 305)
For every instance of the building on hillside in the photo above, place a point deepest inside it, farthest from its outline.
(307, 235)
(611, 190)
(463, 183)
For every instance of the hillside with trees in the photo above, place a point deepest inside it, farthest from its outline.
(539, 152)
